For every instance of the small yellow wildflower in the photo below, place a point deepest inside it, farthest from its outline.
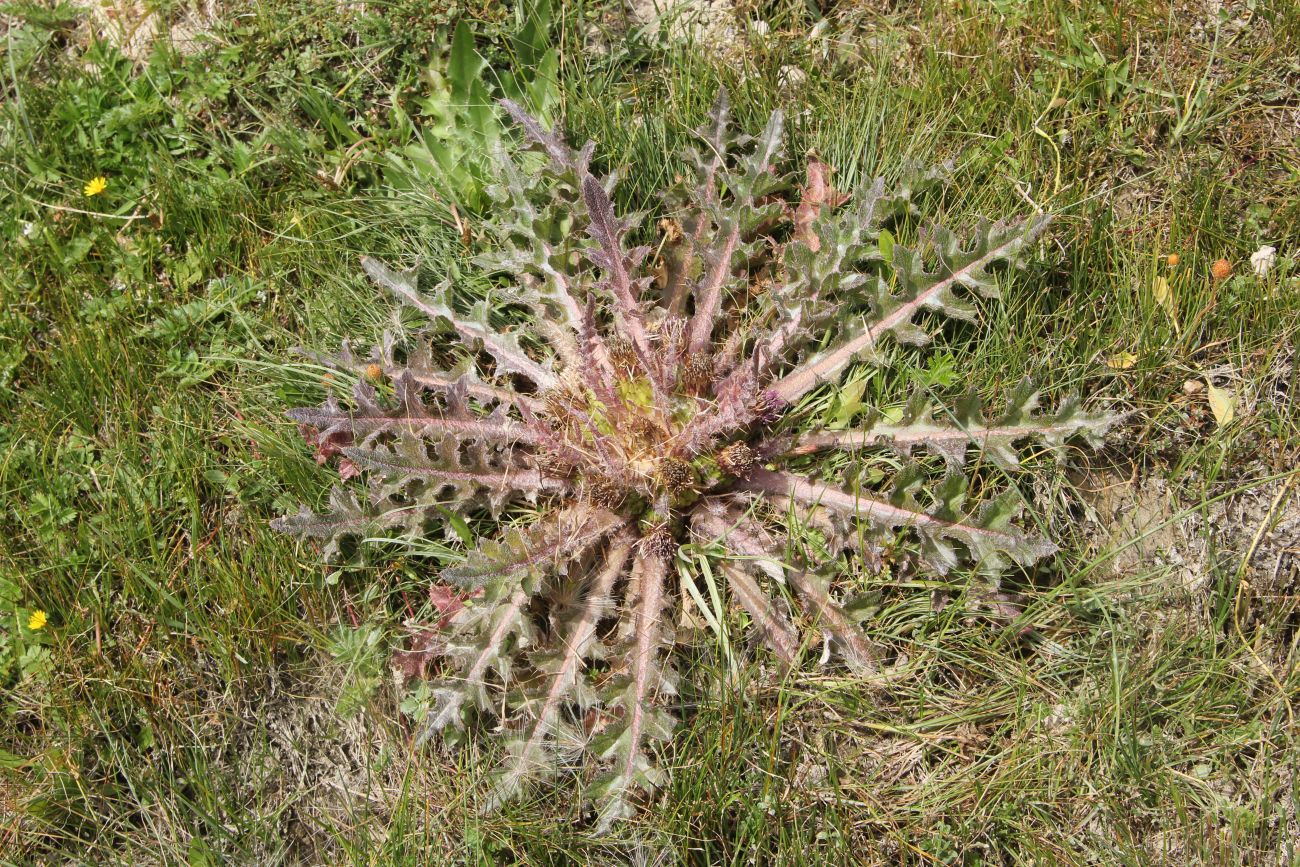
(95, 186)
(37, 620)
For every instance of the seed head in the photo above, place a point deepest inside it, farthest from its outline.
(606, 493)
(672, 230)
(551, 465)
(557, 404)
(374, 372)
(658, 542)
(644, 428)
(671, 332)
(623, 357)
(697, 370)
(736, 459)
(676, 474)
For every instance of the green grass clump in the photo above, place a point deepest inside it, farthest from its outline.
(205, 692)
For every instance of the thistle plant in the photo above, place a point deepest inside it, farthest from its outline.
(650, 401)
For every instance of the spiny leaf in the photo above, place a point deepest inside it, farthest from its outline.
(546, 545)
(473, 329)
(563, 157)
(367, 420)
(478, 643)
(733, 222)
(917, 290)
(610, 257)
(348, 518)
(987, 535)
(772, 626)
(443, 469)
(633, 695)
(854, 646)
(527, 749)
(419, 368)
(923, 425)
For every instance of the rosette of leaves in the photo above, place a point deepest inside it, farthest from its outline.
(642, 408)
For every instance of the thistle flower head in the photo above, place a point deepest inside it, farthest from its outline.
(657, 542)
(675, 475)
(737, 459)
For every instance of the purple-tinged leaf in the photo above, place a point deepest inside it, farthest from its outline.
(987, 536)
(503, 348)
(921, 291)
(634, 697)
(547, 545)
(529, 755)
(951, 438)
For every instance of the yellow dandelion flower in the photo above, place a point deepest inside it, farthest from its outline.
(37, 620)
(95, 186)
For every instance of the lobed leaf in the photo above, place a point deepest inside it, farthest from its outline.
(349, 518)
(917, 289)
(528, 753)
(987, 534)
(473, 329)
(545, 546)
(968, 426)
(632, 694)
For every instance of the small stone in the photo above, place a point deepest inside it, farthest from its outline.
(1193, 386)
(1263, 260)
(791, 78)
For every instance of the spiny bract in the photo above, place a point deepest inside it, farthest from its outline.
(641, 411)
